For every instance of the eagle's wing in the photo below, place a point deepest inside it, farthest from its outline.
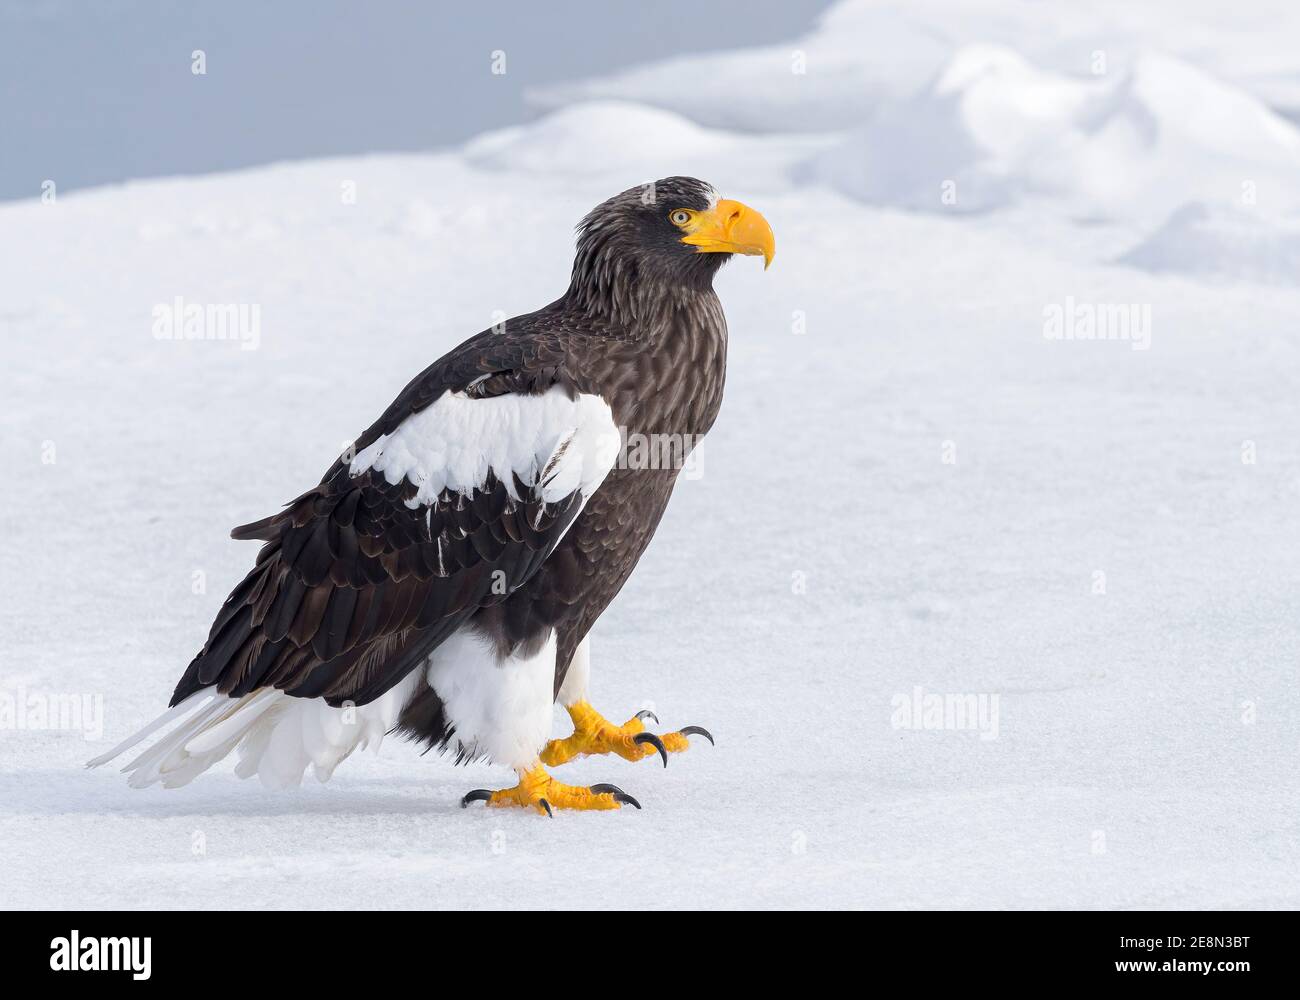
(454, 499)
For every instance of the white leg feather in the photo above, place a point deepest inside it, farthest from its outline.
(574, 688)
(500, 707)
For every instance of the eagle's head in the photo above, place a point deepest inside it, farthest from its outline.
(671, 234)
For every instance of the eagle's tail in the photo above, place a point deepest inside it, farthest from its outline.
(278, 736)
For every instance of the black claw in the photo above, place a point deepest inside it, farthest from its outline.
(547, 806)
(478, 795)
(655, 742)
(618, 793)
(645, 713)
(698, 731)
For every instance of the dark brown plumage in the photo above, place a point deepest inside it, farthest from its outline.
(354, 588)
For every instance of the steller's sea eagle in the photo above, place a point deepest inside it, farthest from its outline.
(442, 578)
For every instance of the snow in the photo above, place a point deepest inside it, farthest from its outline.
(865, 54)
(1135, 146)
(910, 487)
(635, 144)
(1205, 240)
(600, 135)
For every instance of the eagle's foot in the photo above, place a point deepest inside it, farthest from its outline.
(594, 734)
(538, 790)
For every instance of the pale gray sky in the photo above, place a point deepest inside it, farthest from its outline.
(96, 92)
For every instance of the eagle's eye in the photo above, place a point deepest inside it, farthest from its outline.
(679, 217)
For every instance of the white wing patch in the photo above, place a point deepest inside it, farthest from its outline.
(500, 708)
(550, 440)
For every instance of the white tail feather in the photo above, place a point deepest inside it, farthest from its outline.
(234, 724)
(188, 705)
(278, 736)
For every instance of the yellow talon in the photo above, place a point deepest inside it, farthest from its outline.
(594, 734)
(538, 790)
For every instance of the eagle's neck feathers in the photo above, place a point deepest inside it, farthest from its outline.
(633, 294)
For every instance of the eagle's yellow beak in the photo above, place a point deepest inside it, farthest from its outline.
(730, 227)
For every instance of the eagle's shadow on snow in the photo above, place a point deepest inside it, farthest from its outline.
(102, 793)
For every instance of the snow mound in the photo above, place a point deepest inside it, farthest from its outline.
(825, 81)
(965, 142)
(865, 54)
(993, 129)
(630, 144)
(592, 138)
(1215, 241)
